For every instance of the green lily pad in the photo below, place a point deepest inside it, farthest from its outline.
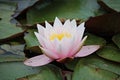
(110, 52)
(67, 75)
(14, 70)
(97, 62)
(31, 39)
(94, 40)
(23, 5)
(116, 39)
(47, 73)
(68, 9)
(2, 51)
(112, 4)
(7, 57)
(84, 72)
(71, 64)
(7, 29)
(12, 53)
(32, 42)
(14, 49)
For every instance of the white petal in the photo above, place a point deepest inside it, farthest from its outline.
(38, 60)
(48, 26)
(40, 29)
(77, 47)
(44, 42)
(67, 24)
(68, 27)
(80, 30)
(48, 32)
(49, 53)
(57, 46)
(82, 24)
(66, 46)
(49, 29)
(57, 23)
(87, 50)
(40, 39)
(73, 22)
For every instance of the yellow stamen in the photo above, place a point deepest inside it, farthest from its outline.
(60, 36)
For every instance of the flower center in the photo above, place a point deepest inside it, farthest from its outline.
(60, 36)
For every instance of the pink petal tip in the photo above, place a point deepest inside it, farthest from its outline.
(87, 50)
(38, 61)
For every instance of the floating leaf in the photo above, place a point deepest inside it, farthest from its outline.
(71, 64)
(111, 5)
(67, 75)
(7, 29)
(49, 9)
(94, 40)
(83, 72)
(6, 57)
(2, 51)
(12, 53)
(14, 49)
(110, 52)
(105, 25)
(116, 39)
(97, 62)
(31, 39)
(23, 5)
(32, 42)
(14, 70)
(47, 73)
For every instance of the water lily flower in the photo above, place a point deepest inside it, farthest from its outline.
(60, 41)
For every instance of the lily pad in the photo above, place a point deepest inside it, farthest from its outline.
(97, 62)
(83, 72)
(67, 75)
(105, 25)
(47, 73)
(32, 42)
(31, 39)
(111, 4)
(7, 57)
(23, 5)
(71, 64)
(110, 52)
(14, 70)
(68, 9)
(116, 39)
(94, 40)
(12, 53)
(7, 29)
(14, 49)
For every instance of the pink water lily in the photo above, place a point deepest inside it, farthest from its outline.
(60, 41)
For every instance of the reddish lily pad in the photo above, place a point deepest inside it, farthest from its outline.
(105, 25)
